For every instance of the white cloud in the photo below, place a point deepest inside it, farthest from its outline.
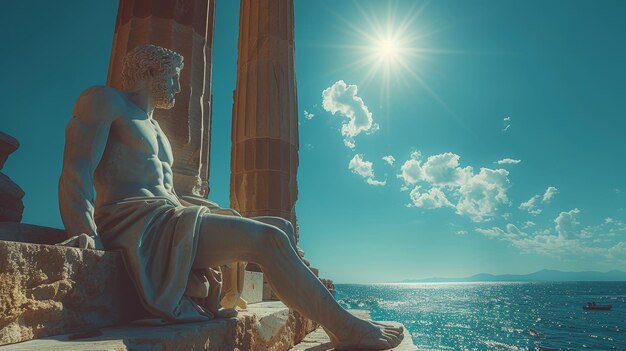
(389, 159)
(531, 206)
(549, 194)
(433, 198)
(375, 182)
(508, 161)
(374, 129)
(510, 233)
(444, 170)
(477, 196)
(411, 169)
(618, 251)
(308, 115)
(542, 242)
(462, 232)
(365, 169)
(507, 123)
(566, 223)
(564, 241)
(343, 99)
(481, 195)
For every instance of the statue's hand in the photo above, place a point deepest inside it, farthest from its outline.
(84, 241)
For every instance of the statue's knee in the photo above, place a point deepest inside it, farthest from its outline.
(273, 237)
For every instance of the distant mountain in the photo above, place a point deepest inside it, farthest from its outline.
(543, 275)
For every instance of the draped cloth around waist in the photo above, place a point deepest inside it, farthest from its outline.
(159, 239)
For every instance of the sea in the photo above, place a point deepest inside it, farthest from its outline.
(498, 316)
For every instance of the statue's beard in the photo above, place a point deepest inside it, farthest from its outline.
(161, 96)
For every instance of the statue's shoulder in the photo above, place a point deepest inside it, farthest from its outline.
(99, 102)
(102, 94)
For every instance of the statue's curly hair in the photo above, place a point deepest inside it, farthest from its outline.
(141, 60)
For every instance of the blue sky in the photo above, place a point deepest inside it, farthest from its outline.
(447, 88)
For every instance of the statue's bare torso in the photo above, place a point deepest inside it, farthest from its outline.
(115, 147)
(137, 160)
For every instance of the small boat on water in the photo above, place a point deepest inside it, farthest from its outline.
(592, 306)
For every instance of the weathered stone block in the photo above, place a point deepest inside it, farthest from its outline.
(49, 290)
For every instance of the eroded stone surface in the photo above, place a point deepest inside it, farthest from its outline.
(48, 290)
(264, 326)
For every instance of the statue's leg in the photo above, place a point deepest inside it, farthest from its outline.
(225, 239)
(287, 228)
(281, 224)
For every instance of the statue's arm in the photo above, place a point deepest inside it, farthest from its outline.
(85, 139)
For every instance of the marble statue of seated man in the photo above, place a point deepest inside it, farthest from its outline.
(115, 148)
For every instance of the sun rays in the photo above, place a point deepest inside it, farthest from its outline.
(388, 48)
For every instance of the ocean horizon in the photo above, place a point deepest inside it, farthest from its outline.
(498, 315)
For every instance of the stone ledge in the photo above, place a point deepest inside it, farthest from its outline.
(264, 326)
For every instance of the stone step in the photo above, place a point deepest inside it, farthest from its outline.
(50, 290)
(263, 326)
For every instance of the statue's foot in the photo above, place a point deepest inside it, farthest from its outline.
(366, 335)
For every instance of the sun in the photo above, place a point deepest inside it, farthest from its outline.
(389, 49)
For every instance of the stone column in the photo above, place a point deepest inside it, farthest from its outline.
(264, 155)
(185, 26)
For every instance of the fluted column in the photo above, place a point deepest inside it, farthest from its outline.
(264, 156)
(185, 26)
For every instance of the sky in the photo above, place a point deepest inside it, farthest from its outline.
(443, 138)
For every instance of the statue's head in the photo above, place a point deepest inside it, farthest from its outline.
(158, 65)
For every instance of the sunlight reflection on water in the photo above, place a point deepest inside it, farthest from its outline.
(498, 316)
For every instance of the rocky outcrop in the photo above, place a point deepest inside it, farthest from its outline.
(11, 205)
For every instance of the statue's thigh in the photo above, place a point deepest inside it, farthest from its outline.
(226, 239)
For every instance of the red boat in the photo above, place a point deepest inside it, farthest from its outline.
(592, 306)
